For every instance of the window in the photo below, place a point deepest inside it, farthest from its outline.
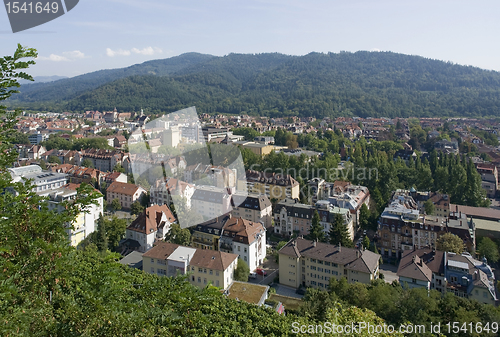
(217, 273)
(239, 248)
(245, 250)
(152, 260)
(204, 281)
(245, 258)
(211, 272)
(152, 270)
(199, 279)
(205, 270)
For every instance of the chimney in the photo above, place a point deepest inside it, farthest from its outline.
(340, 246)
(357, 254)
(314, 243)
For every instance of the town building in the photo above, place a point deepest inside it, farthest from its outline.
(290, 216)
(311, 264)
(42, 180)
(211, 202)
(489, 178)
(102, 160)
(127, 194)
(202, 266)
(445, 272)
(161, 192)
(85, 222)
(253, 207)
(234, 235)
(149, 226)
(275, 186)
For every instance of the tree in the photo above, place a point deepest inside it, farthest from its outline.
(101, 238)
(366, 242)
(316, 231)
(136, 208)
(364, 217)
(119, 168)
(488, 248)
(115, 231)
(54, 160)
(87, 163)
(43, 165)
(116, 205)
(338, 232)
(242, 271)
(178, 235)
(429, 207)
(450, 243)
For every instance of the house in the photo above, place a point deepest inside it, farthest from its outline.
(119, 142)
(447, 272)
(405, 155)
(78, 174)
(275, 186)
(234, 235)
(127, 194)
(245, 238)
(36, 151)
(111, 177)
(489, 178)
(151, 225)
(202, 266)
(309, 263)
(102, 160)
(253, 207)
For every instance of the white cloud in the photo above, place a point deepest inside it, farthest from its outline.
(144, 51)
(66, 56)
(119, 52)
(75, 54)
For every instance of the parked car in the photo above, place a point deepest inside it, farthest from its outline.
(252, 275)
(261, 271)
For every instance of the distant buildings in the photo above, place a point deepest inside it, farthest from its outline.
(102, 160)
(203, 267)
(445, 272)
(42, 180)
(312, 264)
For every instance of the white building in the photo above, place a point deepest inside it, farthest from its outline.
(151, 225)
(43, 180)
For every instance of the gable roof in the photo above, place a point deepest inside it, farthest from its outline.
(151, 219)
(244, 231)
(212, 259)
(123, 188)
(353, 259)
(412, 266)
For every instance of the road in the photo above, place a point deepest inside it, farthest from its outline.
(389, 272)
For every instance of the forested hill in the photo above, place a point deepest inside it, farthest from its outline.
(70, 87)
(319, 85)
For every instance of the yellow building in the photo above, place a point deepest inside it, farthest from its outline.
(276, 186)
(313, 264)
(257, 148)
(202, 266)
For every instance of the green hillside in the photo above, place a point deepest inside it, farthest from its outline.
(319, 85)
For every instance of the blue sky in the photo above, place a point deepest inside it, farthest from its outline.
(102, 34)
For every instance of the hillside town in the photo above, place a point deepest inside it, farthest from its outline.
(267, 225)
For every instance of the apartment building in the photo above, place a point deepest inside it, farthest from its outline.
(290, 216)
(312, 264)
(127, 194)
(210, 202)
(275, 186)
(253, 207)
(85, 222)
(234, 235)
(489, 178)
(202, 266)
(102, 160)
(402, 227)
(461, 275)
(210, 175)
(162, 191)
(151, 225)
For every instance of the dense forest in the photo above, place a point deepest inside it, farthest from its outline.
(334, 84)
